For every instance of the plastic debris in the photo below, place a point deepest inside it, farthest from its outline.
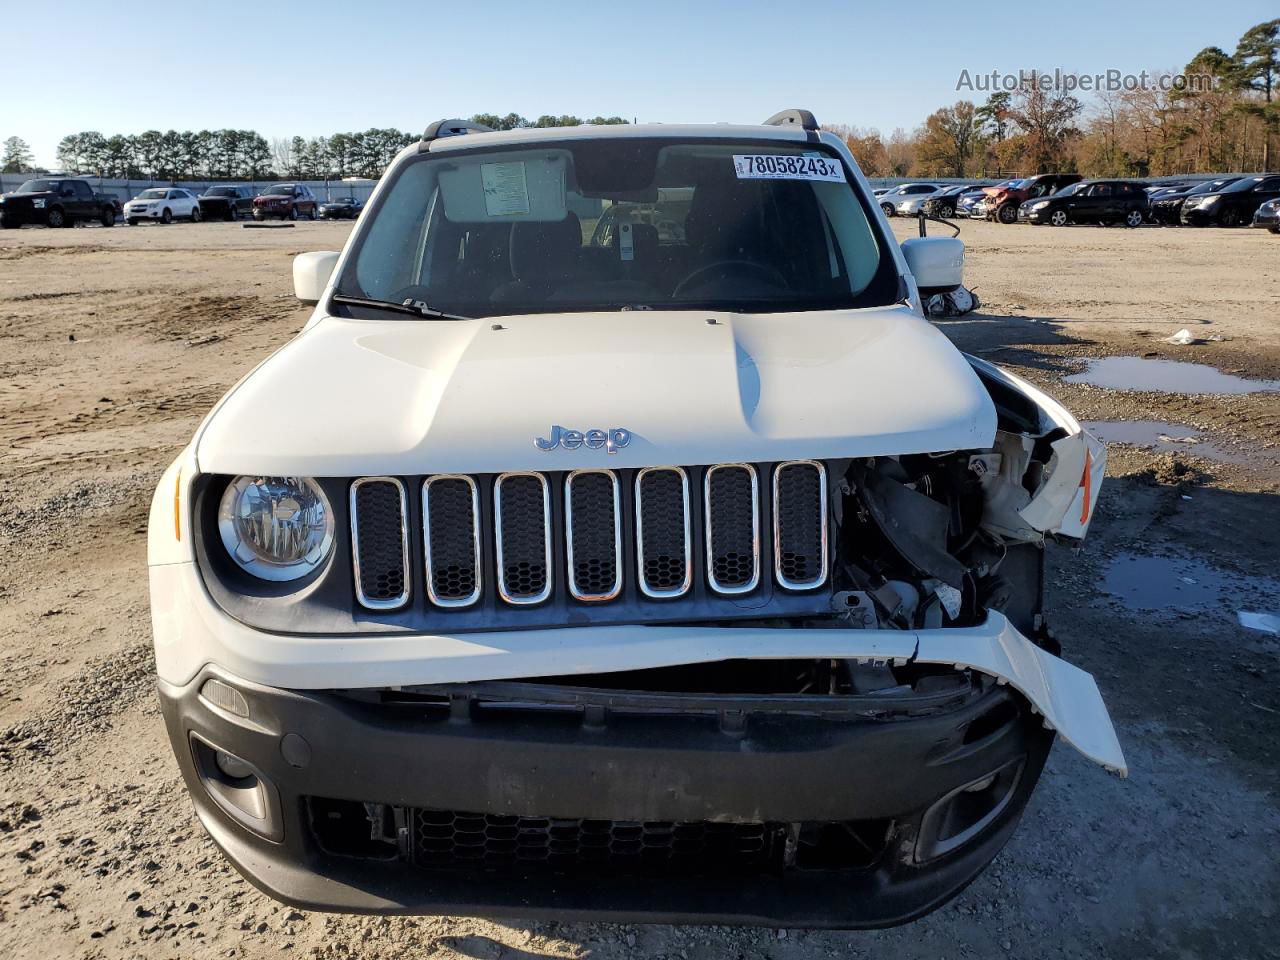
(1182, 337)
(1265, 622)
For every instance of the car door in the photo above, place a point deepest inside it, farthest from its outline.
(81, 202)
(1100, 202)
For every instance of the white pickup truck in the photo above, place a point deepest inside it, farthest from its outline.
(619, 540)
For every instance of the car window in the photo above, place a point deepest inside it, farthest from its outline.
(82, 190)
(608, 225)
(1270, 184)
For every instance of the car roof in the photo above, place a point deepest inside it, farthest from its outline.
(627, 131)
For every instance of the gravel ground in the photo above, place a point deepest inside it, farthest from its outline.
(113, 344)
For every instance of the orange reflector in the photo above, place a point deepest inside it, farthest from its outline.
(177, 506)
(1087, 482)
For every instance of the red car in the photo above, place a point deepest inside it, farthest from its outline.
(289, 201)
(1003, 200)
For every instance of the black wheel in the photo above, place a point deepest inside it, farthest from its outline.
(55, 218)
(233, 212)
(1058, 218)
(167, 216)
(293, 213)
(887, 208)
(1133, 218)
(312, 214)
(108, 216)
(1230, 218)
(1008, 213)
(195, 214)
(9, 224)
(132, 221)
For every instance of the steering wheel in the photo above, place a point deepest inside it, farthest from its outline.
(762, 271)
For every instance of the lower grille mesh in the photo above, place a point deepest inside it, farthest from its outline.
(444, 838)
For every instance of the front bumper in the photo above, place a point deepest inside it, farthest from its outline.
(442, 804)
(1266, 220)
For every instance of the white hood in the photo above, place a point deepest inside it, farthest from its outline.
(402, 397)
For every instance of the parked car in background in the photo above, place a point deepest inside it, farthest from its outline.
(227, 201)
(1090, 201)
(1234, 204)
(1166, 208)
(56, 202)
(968, 203)
(946, 201)
(1003, 201)
(341, 208)
(889, 201)
(162, 205)
(1267, 216)
(289, 201)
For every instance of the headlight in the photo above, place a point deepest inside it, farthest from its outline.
(1210, 201)
(1039, 204)
(276, 528)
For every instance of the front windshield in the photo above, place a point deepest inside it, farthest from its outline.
(40, 186)
(151, 195)
(614, 224)
(220, 192)
(1072, 189)
(1241, 185)
(279, 190)
(1209, 186)
(1015, 184)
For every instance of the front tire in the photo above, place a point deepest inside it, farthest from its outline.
(132, 221)
(946, 211)
(1058, 218)
(887, 208)
(1271, 229)
(108, 216)
(1230, 218)
(293, 213)
(312, 215)
(1007, 214)
(167, 216)
(55, 218)
(195, 214)
(1133, 218)
(233, 214)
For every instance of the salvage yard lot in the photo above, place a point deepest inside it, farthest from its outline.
(115, 342)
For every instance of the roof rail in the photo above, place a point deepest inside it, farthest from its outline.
(449, 128)
(787, 118)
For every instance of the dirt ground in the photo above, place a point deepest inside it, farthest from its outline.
(113, 344)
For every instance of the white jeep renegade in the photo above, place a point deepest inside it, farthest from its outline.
(619, 540)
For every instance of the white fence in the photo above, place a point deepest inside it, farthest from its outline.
(123, 190)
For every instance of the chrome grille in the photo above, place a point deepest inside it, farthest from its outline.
(380, 542)
(451, 540)
(733, 528)
(800, 524)
(522, 516)
(593, 517)
(663, 531)
(616, 537)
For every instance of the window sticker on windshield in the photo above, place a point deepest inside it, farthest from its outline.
(789, 167)
(505, 192)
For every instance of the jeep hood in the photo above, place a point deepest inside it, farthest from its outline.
(402, 397)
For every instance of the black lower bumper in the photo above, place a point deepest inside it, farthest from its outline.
(929, 792)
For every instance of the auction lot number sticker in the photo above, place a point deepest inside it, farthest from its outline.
(757, 166)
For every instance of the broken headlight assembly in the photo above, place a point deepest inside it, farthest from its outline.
(276, 528)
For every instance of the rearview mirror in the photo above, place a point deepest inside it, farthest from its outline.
(937, 263)
(311, 273)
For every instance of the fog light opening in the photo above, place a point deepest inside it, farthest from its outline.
(232, 766)
(966, 811)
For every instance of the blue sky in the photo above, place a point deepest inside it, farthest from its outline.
(327, 66)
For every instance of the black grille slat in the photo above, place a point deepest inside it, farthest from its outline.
(594, 549)
(379, 543)
(524, 522)
(452, 541)
(800, 519)
(733, 528)
(662, 523)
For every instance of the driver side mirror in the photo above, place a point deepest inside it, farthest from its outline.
(937, 263)
(311, 273)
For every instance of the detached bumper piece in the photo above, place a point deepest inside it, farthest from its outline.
(548, 800)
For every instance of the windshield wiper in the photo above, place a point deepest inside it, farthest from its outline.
(414, 308)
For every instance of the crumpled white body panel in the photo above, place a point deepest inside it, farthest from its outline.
(190, 632)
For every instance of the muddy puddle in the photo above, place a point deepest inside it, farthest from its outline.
(1184, 585)
(1172, 437)
(1166, 376)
